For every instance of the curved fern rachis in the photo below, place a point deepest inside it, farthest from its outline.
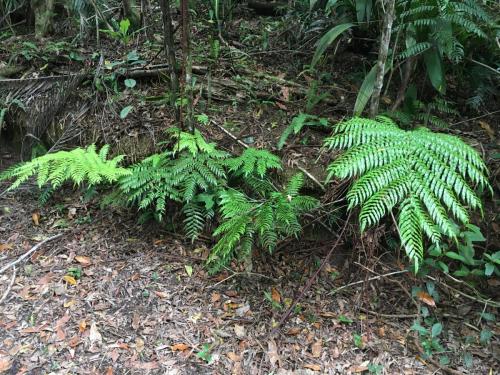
(422, 172)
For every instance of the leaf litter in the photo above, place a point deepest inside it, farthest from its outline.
(144, 304)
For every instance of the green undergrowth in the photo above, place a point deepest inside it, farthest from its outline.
(430, 181)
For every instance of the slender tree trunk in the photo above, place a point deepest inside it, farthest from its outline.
(408, 69)
(168, 45)
(187, 66)
(44, 13)
(385, 41)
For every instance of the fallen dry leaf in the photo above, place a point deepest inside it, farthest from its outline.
(35, 216)
(145, 365)
(69, 303)
(239, 330)
(139, 344)
(83, 260)
(233, 357)
(275, 295)
(215, 297)
(426, 298)
(94, 335)
(69, 279)
(272, 352)
(316, 349)
(293, 331)
(161, 294)
(5, 364)
(82, 325)
(6, 246)
(313, 367)
(179, 347)
(109, 371)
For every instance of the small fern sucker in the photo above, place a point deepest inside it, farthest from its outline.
(431, 178)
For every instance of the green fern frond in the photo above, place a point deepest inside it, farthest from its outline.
(253, 161)
(426, 174)
(78, 166)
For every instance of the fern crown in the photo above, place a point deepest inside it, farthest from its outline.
(422, 172)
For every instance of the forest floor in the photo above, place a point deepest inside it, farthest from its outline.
(138, 301)
(110, 296)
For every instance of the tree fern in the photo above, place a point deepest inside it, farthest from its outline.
(423, 173)
(78, 166)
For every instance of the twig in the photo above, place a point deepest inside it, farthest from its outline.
(368, 280)
(28, 253)
(472, 298)
(475, 118)
(9, 287)
(243, 144)
(311, 280)
(484, 66)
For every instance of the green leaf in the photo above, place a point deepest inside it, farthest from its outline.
(130, 83)
(417, 327)
(125, 111)
(435, 71)
(436, 330)
(454, 255)
(344, 319)
(489, 269)
(189, 270)
(365, 91)
(328, 39)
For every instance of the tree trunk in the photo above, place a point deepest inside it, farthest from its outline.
(44, 13)
(385, 41)
(168, 45)
(187, 67)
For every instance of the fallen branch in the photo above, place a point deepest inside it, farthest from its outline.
(368, 280)
(28, 253)
(311, 280)
(9, 287)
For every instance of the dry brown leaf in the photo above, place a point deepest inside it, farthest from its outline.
(316, 349)
(94, 335)
(426, 298)
(6, 246)
(145, 365)
(161, 294)
(139, 344)
(240, 331)
(74, 341)
(35, 216)
(233, 357)
(136, 320)
(69, 279)
(215, 297)
(281, 106)
(487, 128)
(359, 368)
(272, 352)
(293, 331)
(5, 364)
(83, 260)
(231, 293)
(109, 371)
(313, 367)
(275, 295)
(82, 326)
(179, 347)
(285, 93)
